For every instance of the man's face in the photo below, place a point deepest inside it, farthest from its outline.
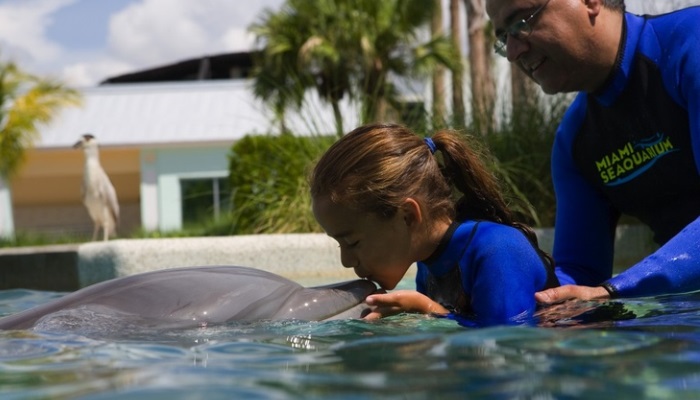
(552, 51)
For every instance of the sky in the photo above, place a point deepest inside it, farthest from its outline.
(83, 42)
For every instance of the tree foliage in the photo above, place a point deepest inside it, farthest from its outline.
(268, 181)
(346, 48)
(521, 150)
(26, 102)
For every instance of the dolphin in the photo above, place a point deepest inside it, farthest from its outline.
(197, 297)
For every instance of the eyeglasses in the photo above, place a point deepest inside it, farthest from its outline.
(518, 29)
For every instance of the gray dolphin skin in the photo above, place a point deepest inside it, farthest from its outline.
(200, 296)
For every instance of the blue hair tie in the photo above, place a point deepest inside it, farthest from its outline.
(431, 145)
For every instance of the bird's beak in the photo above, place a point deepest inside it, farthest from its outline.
(78, 144)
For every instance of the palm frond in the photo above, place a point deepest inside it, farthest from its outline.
(26, 103)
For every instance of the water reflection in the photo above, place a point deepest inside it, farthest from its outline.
(631, 349)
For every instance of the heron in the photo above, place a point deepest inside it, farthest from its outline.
(99, 195)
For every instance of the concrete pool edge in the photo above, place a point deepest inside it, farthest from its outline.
(307, 256)
(294, 256)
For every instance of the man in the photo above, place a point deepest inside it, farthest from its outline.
(629, 143)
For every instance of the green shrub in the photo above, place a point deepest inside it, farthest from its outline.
(521, 152)
(22, 238)
(268, 183)
(270, 192)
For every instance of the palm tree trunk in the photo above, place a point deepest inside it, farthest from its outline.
(459, 113)
(522, 90)
(338, 119)
(436, 29)
(374, 101)
(482, 82)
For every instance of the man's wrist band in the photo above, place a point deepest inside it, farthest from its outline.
(610, 289)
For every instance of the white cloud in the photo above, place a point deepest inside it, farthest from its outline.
(144, 34)
(92, 72)
(238, 39)
(23, 25)
(163, 31)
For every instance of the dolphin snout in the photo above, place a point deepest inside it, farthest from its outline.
(344, 300)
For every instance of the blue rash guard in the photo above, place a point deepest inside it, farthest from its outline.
(634, 148)
(485, 273)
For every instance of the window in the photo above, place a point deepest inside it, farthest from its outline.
(204, 199)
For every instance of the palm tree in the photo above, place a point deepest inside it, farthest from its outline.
(482, 81)
(458, 111)
(349, 48)
(391, 49)
(438, 83)
(26, 101)
(301, 50)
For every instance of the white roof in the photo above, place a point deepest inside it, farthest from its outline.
(178, 113)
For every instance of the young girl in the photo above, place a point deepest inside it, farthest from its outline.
(383, 194)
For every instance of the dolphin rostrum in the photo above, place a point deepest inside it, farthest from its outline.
(201, 296)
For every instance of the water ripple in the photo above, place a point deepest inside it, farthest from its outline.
(632, 349)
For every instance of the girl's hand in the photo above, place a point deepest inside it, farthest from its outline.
(568, 292)
(384, 305)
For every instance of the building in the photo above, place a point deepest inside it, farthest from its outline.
(162, 133)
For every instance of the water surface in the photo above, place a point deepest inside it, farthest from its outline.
(631, 349)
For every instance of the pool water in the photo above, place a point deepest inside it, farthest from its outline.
(631, 349)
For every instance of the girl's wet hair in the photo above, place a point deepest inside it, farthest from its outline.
(376, 167)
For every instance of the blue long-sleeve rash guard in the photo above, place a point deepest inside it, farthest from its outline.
(485, 273)
(634, 148)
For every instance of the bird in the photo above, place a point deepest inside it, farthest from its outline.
(99, 196)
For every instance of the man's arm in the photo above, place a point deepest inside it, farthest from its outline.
(673, 268)
(585, 222)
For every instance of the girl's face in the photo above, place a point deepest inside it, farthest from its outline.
(378, 248)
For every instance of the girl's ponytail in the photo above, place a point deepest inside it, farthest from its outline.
(481, 194)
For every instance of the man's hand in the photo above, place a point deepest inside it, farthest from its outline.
(568, 292)
(384, 305)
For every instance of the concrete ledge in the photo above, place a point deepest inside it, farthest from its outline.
(42, 268)
(307, 257)
(295, 256)
(70, 267)
(632, 244)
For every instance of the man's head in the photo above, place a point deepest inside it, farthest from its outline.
(618, 5)
(564, 45)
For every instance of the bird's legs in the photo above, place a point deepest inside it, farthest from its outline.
(95, 231)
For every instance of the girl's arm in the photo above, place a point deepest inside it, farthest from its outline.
(501, 272)
(384, 305)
